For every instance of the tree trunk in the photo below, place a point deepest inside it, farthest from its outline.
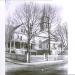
(28, 49)
(28, 52)
(49, 36)
(10, 46)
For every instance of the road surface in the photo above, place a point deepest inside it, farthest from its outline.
(46, 68)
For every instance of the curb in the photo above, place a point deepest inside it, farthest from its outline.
(36, 63)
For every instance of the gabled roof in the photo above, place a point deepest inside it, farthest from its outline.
(52, 38)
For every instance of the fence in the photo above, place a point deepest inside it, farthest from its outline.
(36, 58)
(42, 58)
(16, 56)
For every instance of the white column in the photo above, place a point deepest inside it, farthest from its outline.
(14, 45)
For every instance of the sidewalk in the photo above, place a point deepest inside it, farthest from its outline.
(34, 63)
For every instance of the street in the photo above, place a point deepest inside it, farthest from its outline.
(57, 68)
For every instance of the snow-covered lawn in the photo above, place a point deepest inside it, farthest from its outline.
(49, 65)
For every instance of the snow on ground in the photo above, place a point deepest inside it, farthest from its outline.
(14, 66)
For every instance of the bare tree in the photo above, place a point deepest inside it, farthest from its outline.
(28, 16)
(47, 19)
(33, 17)
(62, 34)
(9, 30)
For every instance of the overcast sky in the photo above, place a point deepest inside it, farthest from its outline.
(11, 5)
